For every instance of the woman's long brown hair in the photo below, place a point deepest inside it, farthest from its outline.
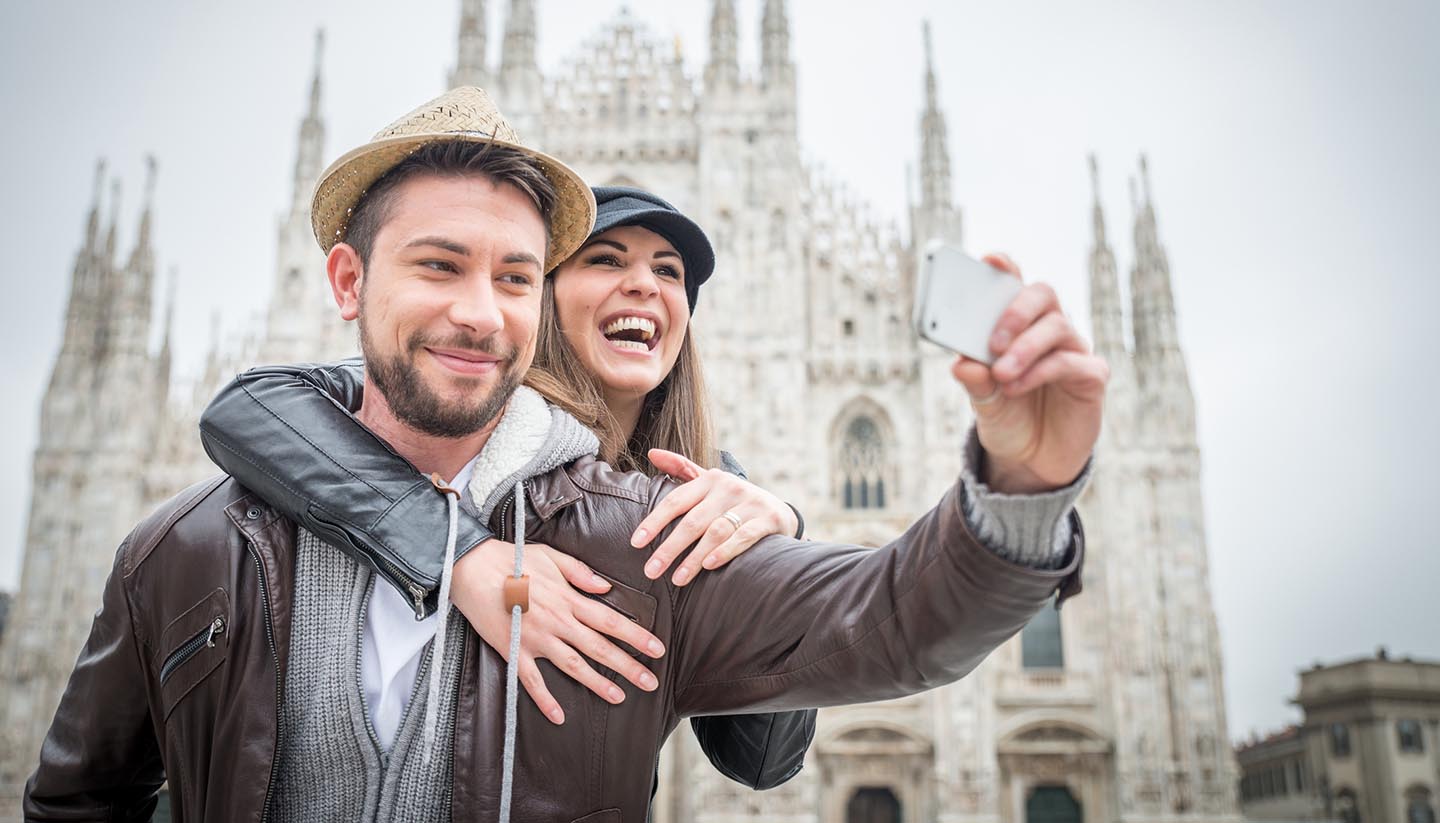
(675, 416)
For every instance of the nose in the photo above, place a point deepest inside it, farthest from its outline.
(474, 307)
(639, 281)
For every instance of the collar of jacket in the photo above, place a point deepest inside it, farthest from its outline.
(545, 495)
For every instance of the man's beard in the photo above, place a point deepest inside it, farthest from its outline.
(417, 405)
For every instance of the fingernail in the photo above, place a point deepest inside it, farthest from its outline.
(652, 569)
(641, 536)
(616, 695)
(1006, 363)
(648, 681)
(656, 648)
(681, 576)
(599, 581)
(557, 715)
(999, 340)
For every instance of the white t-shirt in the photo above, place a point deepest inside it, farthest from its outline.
(393, 643)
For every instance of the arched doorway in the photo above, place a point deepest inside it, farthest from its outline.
(1052, 804)
(873, 804)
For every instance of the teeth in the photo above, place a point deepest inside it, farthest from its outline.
(644, 324)
(633, 345)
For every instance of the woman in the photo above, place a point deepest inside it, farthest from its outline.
(613, 351)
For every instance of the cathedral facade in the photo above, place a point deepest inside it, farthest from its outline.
(1112, 709)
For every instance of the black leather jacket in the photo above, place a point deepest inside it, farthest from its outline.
(288, 434)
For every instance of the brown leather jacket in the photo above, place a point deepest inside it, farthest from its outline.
(183, 673)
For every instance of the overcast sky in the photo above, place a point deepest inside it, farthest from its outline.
(1295, 162)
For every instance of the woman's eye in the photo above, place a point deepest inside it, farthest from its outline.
(668, 271)
(604, 260)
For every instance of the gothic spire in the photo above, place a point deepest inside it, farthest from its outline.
(934, 156)
(92, 224)
(142, 239)
(1159, 363)
(517, 53)
(114, 219)
(722, 69)
(775, 65)
(312, 136)
(162, 369)
(519, 70)
(1106, 310)
(470, 50)
(1098, 213)
(1154, 309)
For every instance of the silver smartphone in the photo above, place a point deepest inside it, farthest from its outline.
(959, 300)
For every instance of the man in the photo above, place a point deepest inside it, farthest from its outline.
(225, 654)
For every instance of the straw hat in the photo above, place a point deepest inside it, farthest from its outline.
(464, 113)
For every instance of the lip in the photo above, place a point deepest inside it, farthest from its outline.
(465, 361)
(651, 345)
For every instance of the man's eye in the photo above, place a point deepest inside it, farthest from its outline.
(438, 265)
(517, 279)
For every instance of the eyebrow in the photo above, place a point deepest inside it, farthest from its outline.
(600, 241)
(464, 251)
(621, 246)
(440, 243)
(521, 257)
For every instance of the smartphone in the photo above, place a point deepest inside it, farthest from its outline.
(959, 300)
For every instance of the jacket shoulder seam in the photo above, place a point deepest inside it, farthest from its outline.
(136, 552)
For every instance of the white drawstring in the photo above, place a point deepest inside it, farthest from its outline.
(512, 669)
(437, 648)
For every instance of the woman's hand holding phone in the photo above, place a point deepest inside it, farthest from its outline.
(1038, 408)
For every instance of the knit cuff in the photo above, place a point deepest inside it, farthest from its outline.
(1029, 529)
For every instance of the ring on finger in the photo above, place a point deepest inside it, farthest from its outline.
(733, 518)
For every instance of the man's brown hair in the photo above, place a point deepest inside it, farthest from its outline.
(449, 158)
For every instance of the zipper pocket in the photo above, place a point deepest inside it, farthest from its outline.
(204, 639)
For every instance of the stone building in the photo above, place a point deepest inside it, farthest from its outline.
(1110, 710)
(1368, 749)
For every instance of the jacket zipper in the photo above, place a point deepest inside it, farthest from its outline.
(391, 571)
(204, 639)
(415, 590)
(507, 530)
(275, 656)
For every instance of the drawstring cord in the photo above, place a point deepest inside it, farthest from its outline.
(437, 648)
(437, 654)
(512, 667)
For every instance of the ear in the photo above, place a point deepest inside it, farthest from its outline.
(345, 271)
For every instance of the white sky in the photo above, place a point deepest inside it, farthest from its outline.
(1295, 160)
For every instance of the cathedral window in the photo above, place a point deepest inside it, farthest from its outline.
(1409, 736)
(848, 327)
(1339, 740)
(1041, 645)
(862, 463)
(1419, 807)
(777, 230)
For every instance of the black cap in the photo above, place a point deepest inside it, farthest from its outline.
(625, 206)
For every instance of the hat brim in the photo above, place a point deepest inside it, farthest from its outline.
(347, 179)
